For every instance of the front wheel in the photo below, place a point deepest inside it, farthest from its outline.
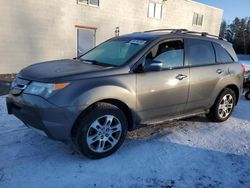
(101, 131)
(223, 106)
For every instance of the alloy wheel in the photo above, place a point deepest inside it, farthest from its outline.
(226, 106)
(104, 133)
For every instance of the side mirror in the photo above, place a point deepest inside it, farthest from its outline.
(150, 65)
(154, 66)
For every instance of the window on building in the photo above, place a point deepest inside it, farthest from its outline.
(200, 52)
(154, 10)
(89, 2)
(197, 19)
(222, 56)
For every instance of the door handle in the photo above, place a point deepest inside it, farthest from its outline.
(219, 71)
(181, 76)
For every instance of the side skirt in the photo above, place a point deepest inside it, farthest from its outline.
(168, 119)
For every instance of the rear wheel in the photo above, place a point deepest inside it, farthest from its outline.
(101, 131)
(247, 95)
(223, 107)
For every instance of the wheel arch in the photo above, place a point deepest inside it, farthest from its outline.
(232, 87)
(236, 91)
(130, 116)
(126, 110)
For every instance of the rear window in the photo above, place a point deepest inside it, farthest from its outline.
(200, 52)
(222, 56)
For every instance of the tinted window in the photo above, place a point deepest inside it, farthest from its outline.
(222, 56)
(171, 54)
(200, 52)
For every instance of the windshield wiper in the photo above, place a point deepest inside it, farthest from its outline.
(94, 62)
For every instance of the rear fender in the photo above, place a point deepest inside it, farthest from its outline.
(222, 84)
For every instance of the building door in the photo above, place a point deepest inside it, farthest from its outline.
(85, 40)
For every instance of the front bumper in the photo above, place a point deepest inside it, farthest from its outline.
(34, 111)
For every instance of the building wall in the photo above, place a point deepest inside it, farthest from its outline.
(35, 31)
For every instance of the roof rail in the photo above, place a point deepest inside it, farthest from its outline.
(204, 34)
(172, 30)
(185, 31)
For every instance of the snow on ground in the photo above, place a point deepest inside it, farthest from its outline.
(187, 153)
(245, 59)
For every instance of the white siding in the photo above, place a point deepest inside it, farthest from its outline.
(34, 31)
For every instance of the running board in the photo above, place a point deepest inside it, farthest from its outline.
(153, 122)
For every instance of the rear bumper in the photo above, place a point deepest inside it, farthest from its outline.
(36, 112)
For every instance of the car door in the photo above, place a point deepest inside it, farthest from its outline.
(204, 74)
(163, 93)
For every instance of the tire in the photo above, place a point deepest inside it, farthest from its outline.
(222, 110)
(247, 95)
(101, 131)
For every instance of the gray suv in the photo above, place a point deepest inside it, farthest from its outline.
(132, 80)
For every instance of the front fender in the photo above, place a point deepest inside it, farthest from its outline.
(107, 92)
(88, 91)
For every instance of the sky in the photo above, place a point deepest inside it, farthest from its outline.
(232, 8)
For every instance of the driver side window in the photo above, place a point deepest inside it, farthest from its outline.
(170, 54)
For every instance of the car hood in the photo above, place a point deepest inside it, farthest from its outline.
(53, 71)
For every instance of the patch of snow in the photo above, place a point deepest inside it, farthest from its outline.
(187, 153)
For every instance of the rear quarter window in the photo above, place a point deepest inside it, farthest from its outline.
(200, 52)
(222, 56)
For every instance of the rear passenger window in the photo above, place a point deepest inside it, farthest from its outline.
(200, 52)
(222, 56)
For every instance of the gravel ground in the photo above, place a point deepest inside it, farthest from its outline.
(4, 87)
(5, 80)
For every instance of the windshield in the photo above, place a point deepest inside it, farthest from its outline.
(114, 52)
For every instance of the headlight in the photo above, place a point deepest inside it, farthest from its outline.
(13, 83)
(44, 89)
